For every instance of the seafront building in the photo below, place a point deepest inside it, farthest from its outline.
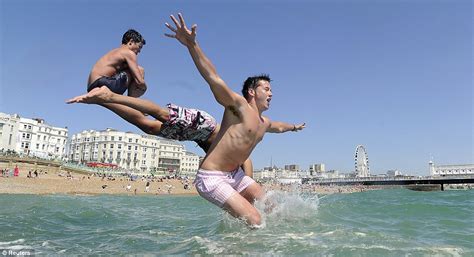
(189, 164)
(444, 170)
(32, 137)
(133, 152)
(315, 169)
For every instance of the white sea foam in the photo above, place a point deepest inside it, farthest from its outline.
(211, 247)
(287, 205)
(18, 241)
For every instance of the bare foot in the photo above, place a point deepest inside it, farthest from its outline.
(95, 96)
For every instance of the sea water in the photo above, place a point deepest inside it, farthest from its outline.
(373, 223)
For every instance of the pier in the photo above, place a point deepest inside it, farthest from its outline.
(402, 180)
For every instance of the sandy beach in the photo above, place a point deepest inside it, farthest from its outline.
(52, 179)
(78, 184)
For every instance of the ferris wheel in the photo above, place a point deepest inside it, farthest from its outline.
(361, 162)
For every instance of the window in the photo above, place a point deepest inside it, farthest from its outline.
(119, 146)
(105, 145)
(136, 148)
(120, 139)
(111, 146)
(129, 147)
(112, 138)
(129, 140)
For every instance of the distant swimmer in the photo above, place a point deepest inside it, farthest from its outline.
(220, 179)
(118, 69)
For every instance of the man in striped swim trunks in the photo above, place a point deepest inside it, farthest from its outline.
(220, 179)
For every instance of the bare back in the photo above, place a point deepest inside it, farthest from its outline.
(241, 130)
(110, 64)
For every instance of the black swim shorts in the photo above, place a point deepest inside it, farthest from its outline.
(117, 83)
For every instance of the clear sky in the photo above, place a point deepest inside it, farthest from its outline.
(394, 76)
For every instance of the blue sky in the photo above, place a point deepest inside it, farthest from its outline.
(394, 76)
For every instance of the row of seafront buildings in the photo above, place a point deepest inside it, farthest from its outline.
(144, 154)
(293, 173)
(130, 151)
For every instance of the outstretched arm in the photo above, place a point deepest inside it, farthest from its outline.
(281, 127)
(223, 94)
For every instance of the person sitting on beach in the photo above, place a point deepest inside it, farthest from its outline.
(220, 180)
(118, 69)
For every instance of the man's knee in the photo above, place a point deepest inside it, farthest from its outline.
(254, 219)
(150, 127)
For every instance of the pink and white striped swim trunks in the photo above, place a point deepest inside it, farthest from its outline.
(218, 186)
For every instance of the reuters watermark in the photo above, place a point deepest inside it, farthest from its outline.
(17, 252)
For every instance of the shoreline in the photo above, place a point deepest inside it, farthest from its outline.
(50, 184)
(81, 185)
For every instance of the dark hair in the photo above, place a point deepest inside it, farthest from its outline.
(132, 35)
(252, 83)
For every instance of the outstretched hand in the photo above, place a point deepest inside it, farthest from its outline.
(299, 127)
(181, 32)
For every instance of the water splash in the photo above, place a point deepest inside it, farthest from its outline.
(279, 206)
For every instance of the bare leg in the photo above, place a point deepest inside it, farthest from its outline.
(104, 95)
(253, 192)
(239, 207)
(135, 117)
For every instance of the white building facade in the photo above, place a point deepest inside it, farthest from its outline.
(32, 137)
(8, 131)
(134, 152)
(318, 168)
(189, 164)
(444, 170)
